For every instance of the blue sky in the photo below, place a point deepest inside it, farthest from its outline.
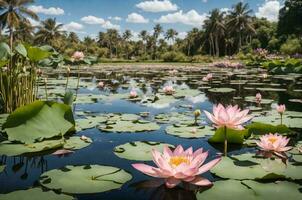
(88, 17)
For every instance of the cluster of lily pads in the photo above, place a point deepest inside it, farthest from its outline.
(45, 125)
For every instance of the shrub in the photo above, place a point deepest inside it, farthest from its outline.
(201, 58)
(174, 57)
(291, 47)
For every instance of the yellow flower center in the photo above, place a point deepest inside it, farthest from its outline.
(273, 140)
(177, 160)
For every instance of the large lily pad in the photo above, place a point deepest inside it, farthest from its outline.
(85, 179)
(190, 131)
(247, 166)
(39, 120)
(233, 136)
(2, 167)
(227, 190)
(34, 194)
(290, 118)
(76, 143)
(221, 90)
(140, 151)
(277, 191)
(258, 128)
(161, 101)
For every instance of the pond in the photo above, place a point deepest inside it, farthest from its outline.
(123, 130)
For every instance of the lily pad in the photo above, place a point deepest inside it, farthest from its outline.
(129, 126)
(34, 194)
(258, 128)
(277, 191)
(85, 179)
(2, 167)
(76, 143)
(190, 131)
(139, 151)
(253, 99)
(227, 190)
(221, 90)
(233, 136)
(39, 120)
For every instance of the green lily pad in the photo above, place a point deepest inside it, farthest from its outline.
(298, 158)
(227, 190)
(182, 93)
(90, 122)
(190, 131)
(39, 120)
(221, 90)
(233, 136)
(85, 179)
(271, 89)
(2, 167)
(11, 149)
(139, 151)
(186, 118)
(253, 99)
(247, 166)
(163, 101)
(76, 143)
(291, 119)
(34, 194)
(258, 128)
(277, 191)
(129, 126)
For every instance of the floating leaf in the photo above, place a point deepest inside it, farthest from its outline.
(258, 128)
(233, 136)
(129, 126)
(85, 179)
(34, 194)
(139, 151)
(39, 120)
(221, 90)
(277, 191)
(190, 131)
(75, 143)
(2, 167)
(227, 190)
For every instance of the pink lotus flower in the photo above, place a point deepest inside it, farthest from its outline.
(169, 90)
(205, 79)
(274, 143)
(101, 84)
(258, 97)
(179, 165)
(281, 109)
(78, 55)
(62, 152)
(133, 94)
(209, 76)
(230, 117)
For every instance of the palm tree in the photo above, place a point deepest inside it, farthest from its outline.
(144, 37)
(171, 35)
(49, 31)
(215, 30)
(15, 11)
(158, 29)
(25, 31)
(126, 37)
(73, 37)
(190, 39)
(112, 38)
(240, 21)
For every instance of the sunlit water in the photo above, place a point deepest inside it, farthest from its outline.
(24, 172)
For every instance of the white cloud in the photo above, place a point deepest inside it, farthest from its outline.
(47, 11)
(190, 18)
(269, 10)
(182, 35)
(136, 18)
(33, 22)
(92, 20)
(157, 6)
(204, 1)
(73, 27)
(116, 18)
(109, 25)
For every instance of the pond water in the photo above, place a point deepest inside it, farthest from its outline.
(23, 172)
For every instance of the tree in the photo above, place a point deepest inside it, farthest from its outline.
(158, 29)
(215, 30)
(144, 37)
(290, 18)
(15, 11)
(25, 31)
(112, 37)
(240, 21)
(73, 37)
(171, 35)
(126, 37)
(49, 32)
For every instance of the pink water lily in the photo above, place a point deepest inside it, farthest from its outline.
(274, 143)
(133, 94)
(169, 90)
(281, 108)
(231, 117)
(179, 165)
(258, 98)
(78, 55)
(101, 84)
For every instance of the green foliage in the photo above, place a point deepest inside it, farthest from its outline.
(202, 59)
(173, 56)
(20, 49)
(291, 46)
(233, 136)
(284, 66)
(258, 128)
(39, 120)
(4, 51)
(36, 54)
